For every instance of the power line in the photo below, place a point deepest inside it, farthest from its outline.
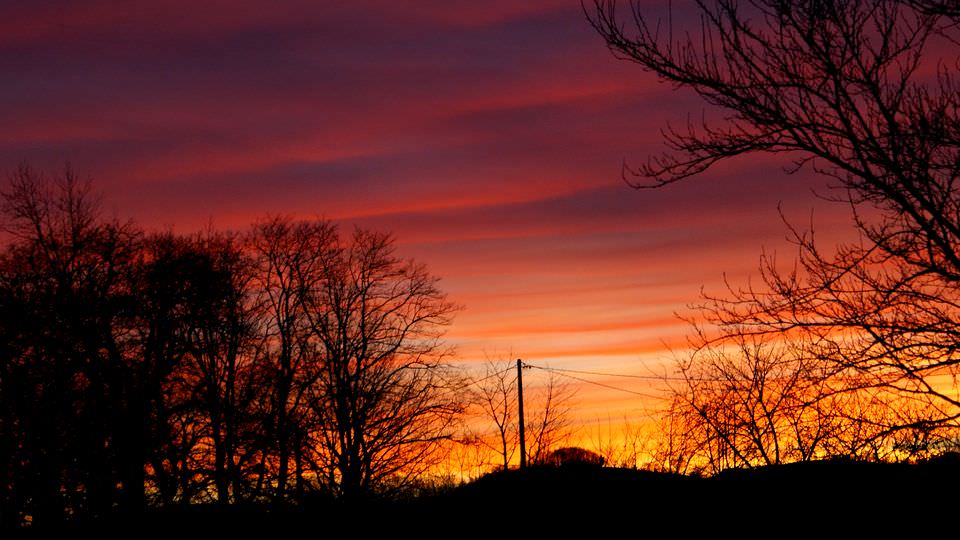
(563, 373)
(625, 375)
(567, 373)
(490, 376)
(682, 379)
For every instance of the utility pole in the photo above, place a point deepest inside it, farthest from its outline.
(523, 442)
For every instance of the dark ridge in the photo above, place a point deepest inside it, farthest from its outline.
(820, 497)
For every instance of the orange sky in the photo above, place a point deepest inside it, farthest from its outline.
(487, 136)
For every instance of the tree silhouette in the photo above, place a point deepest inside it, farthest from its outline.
(496, 398)
(164, 280)
(572, 456)
(290, 261)
(750, 400)
(384, 397)
(864, 92)
(70, 426)
(199, 372)
(219, 371)
(841, 86)
(547, 417)
(169, 369)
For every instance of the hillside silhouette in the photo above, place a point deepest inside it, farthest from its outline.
(828, 496)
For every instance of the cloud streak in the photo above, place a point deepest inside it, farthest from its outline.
(488, 137)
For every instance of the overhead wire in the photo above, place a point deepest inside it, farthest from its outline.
(665, 378)
(565, 373)
(569, 373)
(490, 376)
(602, 374)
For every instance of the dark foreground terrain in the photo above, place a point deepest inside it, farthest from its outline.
(817, 499)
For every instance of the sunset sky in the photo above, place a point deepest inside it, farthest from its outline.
(488, 136)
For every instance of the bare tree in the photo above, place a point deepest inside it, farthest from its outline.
(290, 258)
(218, 374)
(751, 401)
(469, 457)
(385, 398)
(497, 401)
(680, 444)
(629, 445)
(168, 369)
(830, 360)
(548, 418)
(864, 92)
(841, 86)
(547, 408)
(172, 426)
(70, 421)
(880, 325)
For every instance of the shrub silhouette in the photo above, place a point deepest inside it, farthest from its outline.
(572, 456)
